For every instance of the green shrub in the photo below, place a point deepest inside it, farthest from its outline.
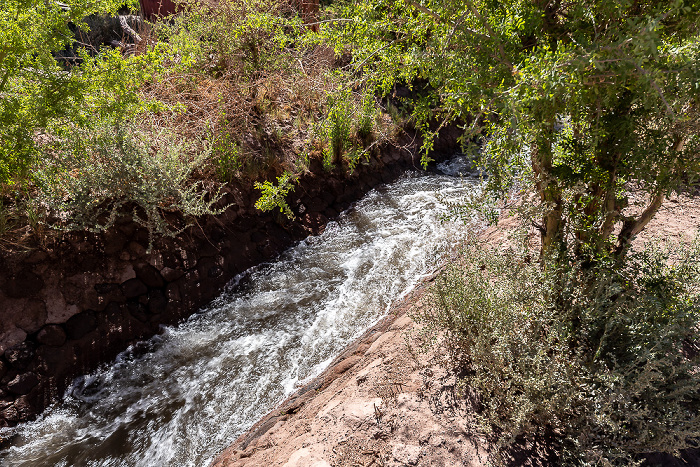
(227, 158)
(246, 38)
(348, 127)
(366, 120)
(602, 358)
(274, 196)
(40, 96)
(336, 128)
(96, 174)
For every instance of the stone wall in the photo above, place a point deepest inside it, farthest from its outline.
(67, 308)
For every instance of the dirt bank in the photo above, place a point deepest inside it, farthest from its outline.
(384, 403)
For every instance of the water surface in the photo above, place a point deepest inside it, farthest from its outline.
(181, 397)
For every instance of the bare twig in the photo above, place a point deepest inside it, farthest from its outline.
(127, 29)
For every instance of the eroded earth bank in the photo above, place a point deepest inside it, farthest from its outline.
(384, 402)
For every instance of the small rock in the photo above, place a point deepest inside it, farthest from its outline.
(23, 383)
(12, 337)
(36, 257)
(406, 454)
(107, 293)
(134, 288)
(25, 406)
(10, 414)
(20, 355)
(23, 285)
(104, 289)
(138, 311)
(80, 324)
(9, 376)
(156, 301)
(3, 369)
(4, 402)
(33, 316)
(149, 275)
(114, 241)
(137, 249)
(52, 334)
(214, 272)
(170, 274)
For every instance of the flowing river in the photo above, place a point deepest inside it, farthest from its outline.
(182, 396)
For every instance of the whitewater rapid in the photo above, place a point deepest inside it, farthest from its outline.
(182, 396)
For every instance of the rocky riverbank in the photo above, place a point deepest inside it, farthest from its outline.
(77, 303)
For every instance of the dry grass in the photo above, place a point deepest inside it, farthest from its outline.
(263, 101)
(243, 83)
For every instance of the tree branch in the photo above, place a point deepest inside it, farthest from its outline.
(455, 25)
(631, 228)
(486, 24)
(127, 29)
(425, 10)
(669, 109)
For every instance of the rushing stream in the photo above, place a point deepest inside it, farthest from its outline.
(181, 397)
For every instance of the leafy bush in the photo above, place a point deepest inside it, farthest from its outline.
(96, 174)
(274, 196)
(603, 359)
(40, 96)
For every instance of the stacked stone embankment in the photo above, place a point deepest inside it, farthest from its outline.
(67, 308)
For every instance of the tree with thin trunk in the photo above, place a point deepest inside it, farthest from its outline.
(585, 102)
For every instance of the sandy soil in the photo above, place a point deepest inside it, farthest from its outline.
(383, 403)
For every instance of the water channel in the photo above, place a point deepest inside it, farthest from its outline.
(182, 396)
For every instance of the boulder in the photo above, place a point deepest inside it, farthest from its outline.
(52, 335)
(23, 383)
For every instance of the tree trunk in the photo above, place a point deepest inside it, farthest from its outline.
(551, 230)
(309, 11)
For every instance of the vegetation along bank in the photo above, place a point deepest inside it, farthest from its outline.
(586, 112)
(132, 177)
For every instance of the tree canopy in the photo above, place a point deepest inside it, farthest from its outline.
(38, 93)
(581, 100)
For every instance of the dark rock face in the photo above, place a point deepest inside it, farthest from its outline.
(68, 308)
(52, 335)
(22, 384)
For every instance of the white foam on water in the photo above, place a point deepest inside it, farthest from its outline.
(204, 382)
